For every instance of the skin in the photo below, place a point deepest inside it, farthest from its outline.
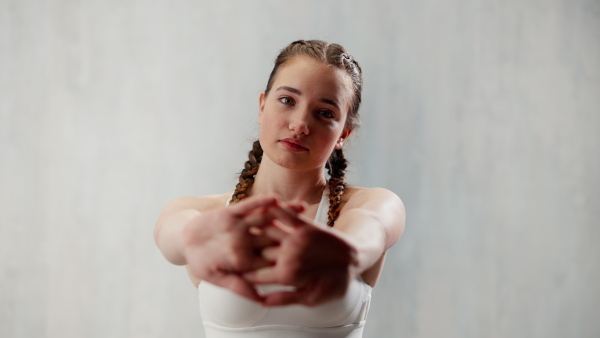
(270, 237)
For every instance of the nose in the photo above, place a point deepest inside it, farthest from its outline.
(299, 123)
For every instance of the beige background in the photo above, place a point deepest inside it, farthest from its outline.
(483, 116)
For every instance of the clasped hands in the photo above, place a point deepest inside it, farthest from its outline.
(262, 240)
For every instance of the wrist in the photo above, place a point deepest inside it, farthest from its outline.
(350, 248)
(191, 232)
(354, 264)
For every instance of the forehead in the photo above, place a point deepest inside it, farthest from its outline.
(315, 78)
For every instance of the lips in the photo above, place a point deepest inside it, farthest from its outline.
(293, 144)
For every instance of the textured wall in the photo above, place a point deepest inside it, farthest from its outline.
(484, 117)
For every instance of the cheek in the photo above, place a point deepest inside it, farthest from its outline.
(328, 137)
(262, 131)
(267, 128)
(329, 132)
(271, 120)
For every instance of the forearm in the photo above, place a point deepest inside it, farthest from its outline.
(373, 219)
(170, 234)
(367, 236)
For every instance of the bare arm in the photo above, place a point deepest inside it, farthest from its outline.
(373, 220)
(174, 218)
(215, 242)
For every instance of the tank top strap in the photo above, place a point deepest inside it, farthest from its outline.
(321, 217)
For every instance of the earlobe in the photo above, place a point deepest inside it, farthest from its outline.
(340, 142)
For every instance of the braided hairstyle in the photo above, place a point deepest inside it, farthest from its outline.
(333, 55)
(247, 175)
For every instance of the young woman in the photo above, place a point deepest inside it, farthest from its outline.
(290, 252)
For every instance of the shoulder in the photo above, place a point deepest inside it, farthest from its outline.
(379, 204)
(201, 203)
(372, 198)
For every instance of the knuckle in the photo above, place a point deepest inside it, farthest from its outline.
(290, 276)
(238, 261)
(304, 235)
(237, 255)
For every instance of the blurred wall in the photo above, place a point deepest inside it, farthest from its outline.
(484, 117)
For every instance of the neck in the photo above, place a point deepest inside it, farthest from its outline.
(288, 184)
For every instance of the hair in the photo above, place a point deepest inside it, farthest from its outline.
(335, 56)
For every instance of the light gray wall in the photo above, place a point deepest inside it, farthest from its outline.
(483, 116)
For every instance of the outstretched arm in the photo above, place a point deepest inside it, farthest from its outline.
(373, 219)
(216, 243)
(170, 227)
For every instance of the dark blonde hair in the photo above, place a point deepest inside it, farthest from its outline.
(336, 56)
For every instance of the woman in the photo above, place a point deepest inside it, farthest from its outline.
(290, 252)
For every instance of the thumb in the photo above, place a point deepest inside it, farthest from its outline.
(240, 286)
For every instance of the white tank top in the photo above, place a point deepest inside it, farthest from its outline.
(227, 315)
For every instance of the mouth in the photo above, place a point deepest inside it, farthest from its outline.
(293, 144)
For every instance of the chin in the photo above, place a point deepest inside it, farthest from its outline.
(293, 162)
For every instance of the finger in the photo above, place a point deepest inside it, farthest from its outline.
(260, 242)
(277, 233)
(256, 231)
(262, 276)
(297, 207)
(288, 217)
(256, 211)
(258, 220)
(253, 262)
(240, 286)
(250, 204)
(270, 253)
(282, 298)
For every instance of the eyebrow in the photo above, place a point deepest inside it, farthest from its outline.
(298, 92)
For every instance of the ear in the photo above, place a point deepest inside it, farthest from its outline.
(340, 142)
(261, 106)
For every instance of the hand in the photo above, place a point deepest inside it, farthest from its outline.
(319, 262)
(222, 244)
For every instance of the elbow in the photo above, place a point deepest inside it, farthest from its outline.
(392, 217)
(158, 239)
(169, 236)
(398, 224)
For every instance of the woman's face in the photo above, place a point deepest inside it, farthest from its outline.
(302, 119)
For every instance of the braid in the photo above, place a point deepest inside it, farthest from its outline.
(337, 183)
(247, 175)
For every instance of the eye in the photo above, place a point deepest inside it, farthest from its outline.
(286, 100)
(326, 113)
